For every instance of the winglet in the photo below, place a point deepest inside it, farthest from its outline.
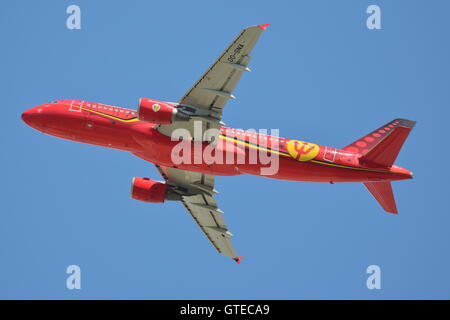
(264, 26)
(238, 259)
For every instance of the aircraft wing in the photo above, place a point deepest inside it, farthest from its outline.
(202, 206)
(214, 88)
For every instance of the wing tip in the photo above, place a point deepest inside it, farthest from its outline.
(238, 259)
(264, 26)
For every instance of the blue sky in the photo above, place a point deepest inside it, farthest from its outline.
(318, 75)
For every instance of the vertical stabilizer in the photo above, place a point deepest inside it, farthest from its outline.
(381, 147)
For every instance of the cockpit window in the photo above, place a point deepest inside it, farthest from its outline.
(55, 101)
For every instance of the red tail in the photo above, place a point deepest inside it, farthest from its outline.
(380, 148)
(382, 192)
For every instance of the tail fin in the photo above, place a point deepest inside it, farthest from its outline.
(381, 147)
(382, 192)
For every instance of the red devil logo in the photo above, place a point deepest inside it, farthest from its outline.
(302, 149)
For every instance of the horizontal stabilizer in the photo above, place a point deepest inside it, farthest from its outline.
(381, 147)
(382, 192)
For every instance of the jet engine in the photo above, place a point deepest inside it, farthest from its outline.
(160, 112)
(147, 190)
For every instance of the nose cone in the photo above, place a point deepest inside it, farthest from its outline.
(34, 118)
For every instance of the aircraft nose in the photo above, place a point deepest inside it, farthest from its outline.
(33, 117)
(26, 115)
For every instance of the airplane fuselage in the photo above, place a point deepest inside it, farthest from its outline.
(120, 128)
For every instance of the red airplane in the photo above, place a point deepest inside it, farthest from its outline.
(163, 133)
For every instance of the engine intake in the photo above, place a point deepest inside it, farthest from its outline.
(159, 112)
(148, 190)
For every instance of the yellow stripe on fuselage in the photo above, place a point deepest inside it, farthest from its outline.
(244, 143)
(348, 167)
(111, 116)
(103, 114)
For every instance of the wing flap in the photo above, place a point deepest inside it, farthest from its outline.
(224, 74)
(210, 222)
(202, 206)
(215, 87)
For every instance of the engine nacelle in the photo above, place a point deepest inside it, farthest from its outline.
(159, 112)
(148, 190)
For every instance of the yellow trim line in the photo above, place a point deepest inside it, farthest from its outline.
(246, 144)
(103, 114)
(110, 116)
(289, 156)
